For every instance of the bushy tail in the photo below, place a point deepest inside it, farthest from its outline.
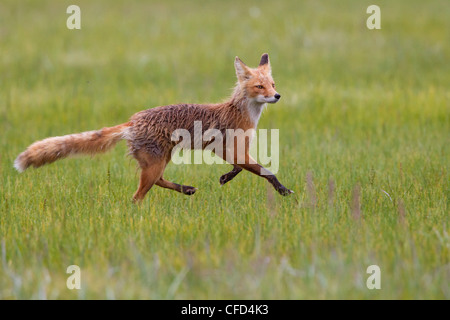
(55, 148)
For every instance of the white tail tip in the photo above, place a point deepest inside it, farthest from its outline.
(18, 165)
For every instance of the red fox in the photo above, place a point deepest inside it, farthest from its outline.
(148, 133)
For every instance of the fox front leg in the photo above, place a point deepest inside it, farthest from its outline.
(230, 175)
(254, 167)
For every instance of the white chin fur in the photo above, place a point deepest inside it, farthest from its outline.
(272, 100)
(262, 99)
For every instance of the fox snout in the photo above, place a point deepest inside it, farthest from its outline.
(276, 97)
(269, 99)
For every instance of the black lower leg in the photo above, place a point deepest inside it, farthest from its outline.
(230, 175)
(278, 186)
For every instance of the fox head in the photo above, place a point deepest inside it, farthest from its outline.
(257, 83)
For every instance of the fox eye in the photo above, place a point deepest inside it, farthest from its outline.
(260, 87)
(273, 85)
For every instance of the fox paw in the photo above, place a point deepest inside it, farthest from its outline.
(285, 191)
(224, 179)
(188, 190)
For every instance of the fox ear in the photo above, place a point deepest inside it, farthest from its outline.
(265, 63)
(242, 71)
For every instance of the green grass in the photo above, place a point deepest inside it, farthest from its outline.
(365, 111)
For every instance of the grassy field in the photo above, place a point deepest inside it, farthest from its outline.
(364, 125)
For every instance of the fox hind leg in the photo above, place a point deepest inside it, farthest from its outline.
(152, 171)
(188, 190)
(149, 176)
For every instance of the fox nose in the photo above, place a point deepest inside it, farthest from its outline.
(277, 96)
